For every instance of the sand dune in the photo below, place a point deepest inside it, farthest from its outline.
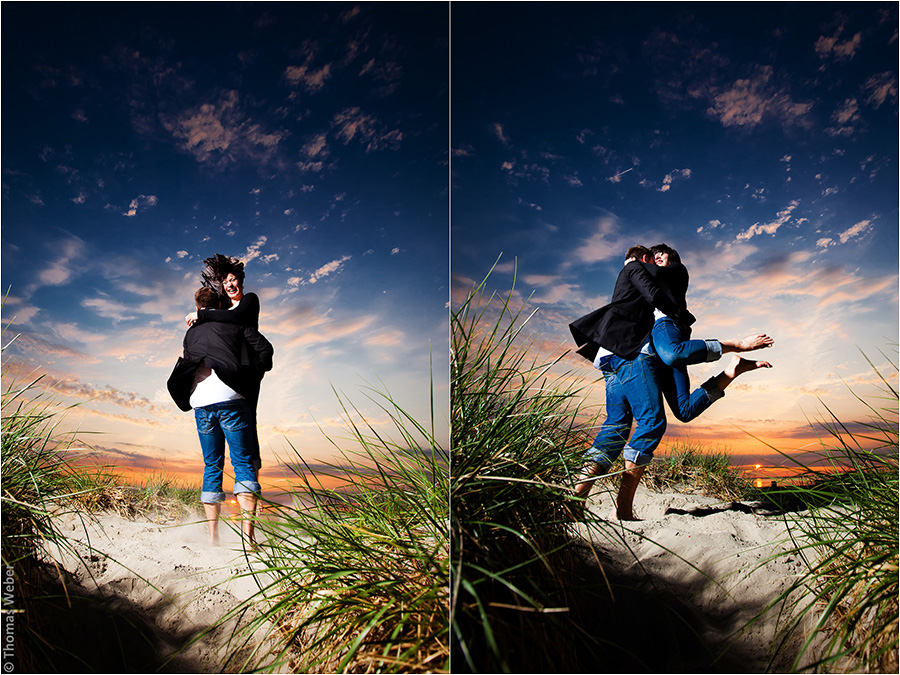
(156, 588)
(721, 563)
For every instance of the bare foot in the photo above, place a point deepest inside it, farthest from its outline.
(739, 366)
(630, 517)
(748, 344)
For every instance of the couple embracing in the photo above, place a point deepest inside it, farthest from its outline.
(218, 376)
(641, 343)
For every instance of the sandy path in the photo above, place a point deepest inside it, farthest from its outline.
(724, 561)
(721, 562)
(164, 583)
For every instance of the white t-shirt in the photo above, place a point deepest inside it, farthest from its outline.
(209, 389)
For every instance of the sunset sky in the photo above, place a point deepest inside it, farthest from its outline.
(757, 139)
(308, 140)
(369, 163)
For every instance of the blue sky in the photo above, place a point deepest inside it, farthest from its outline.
(758, 139)
(307, 139)
(329, 145)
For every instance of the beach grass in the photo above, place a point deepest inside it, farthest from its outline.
(43, 477)
(518, 436)
(355, 577)
(157, 496)
(688, 466)
(37, 482)
(844, 608)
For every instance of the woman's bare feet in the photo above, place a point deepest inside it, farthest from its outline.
(739, 366)
(748, 344)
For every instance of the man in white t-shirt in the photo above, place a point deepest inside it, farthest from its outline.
(219, 378)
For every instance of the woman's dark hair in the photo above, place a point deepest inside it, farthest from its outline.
(216, 269)
(665, 248)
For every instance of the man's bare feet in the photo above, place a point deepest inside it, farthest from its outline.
(748, 344)
(629, 517)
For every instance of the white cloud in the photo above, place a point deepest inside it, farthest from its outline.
(670, 178)
(846, 118)
(220, 132)
(108, 308)
(328, 269)
(139, 203)
(316, 146)
(771, 227)
(500, 133)
(353, 123)
(606, 243)
(881, 88)
(712, 225)
(617, 178)
(69, 252)
(311, 79)
(857, 230)
(833, 46)
(748, 101)
(253, 250)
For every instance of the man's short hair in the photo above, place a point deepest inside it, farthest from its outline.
(665, 248)
(206, 298)
(637, 252)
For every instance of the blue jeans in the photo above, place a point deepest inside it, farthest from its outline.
(230, 421)
(632, 395)
(670, 342)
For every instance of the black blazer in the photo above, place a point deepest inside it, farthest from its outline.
(622, 326)
(239, 355)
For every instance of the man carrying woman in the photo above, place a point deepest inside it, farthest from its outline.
(617, 339)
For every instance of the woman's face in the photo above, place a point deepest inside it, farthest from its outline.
(661, 259)
(233, 288)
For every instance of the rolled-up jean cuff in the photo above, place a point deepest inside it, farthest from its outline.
(212, 497)
(713, 350)
(636, 457)
(246, 486)
(712, 390)
(598, 456)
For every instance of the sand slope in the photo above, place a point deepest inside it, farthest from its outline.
(725, 562)
(153, 590)
(721, 563)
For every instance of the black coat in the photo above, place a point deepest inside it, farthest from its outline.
(239, 355)
(622, 326)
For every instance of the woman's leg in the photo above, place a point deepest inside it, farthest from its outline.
(670, 340)
(738, 366)
(685, 404)
(672, 344)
